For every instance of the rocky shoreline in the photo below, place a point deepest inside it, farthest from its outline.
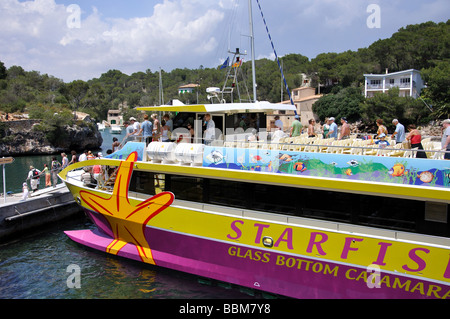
(18, 138)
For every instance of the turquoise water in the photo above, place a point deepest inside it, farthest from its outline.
(17, 172)
(35, 267)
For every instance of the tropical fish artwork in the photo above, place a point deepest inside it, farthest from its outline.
(398, 170)
(426, 177)
(412, 171)
(215, 157)
(300, 167)
(353, 162)
(256, 158)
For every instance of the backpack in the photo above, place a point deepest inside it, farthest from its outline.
(55, 165)
(35, 174)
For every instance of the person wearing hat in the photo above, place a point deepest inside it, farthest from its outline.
(332, 132)
(136, 127)
(345, 129)
(382, 143)
(33, 176)
(296, 127)
(445, 142)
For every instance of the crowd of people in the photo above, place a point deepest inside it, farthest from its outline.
(153, 130)
(150, 130)
(329, 129)
(50, 172)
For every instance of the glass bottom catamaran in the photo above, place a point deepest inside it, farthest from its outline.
(303, 218)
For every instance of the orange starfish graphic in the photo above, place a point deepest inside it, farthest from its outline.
(128, 222)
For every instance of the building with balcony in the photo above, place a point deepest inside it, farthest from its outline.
(409, 83)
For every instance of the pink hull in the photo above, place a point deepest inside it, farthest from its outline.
(275, 273)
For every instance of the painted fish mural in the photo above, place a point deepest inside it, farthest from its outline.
(433, 173)
(398, 170)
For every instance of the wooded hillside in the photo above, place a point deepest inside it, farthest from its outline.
(425, 47)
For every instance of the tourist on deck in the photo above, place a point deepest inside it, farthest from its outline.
(296, 127)
(136, 128)
(115, 145)
(74, 158)
(345, 129)
(210, 130)
(333, 131)
(146, 130)
(90, 156)
(382, 143)
(277, 135)
(83, 156)
(311, 131)
(97, 172)
(156, 133)
(191, 133)
(65, 160)
(278, 122)
(169, 122)
(33, 176)
(325, 127)
(445, 142)
(165, 132)
(381, 128)
(48, 176)
(415, 138)
(399, 133)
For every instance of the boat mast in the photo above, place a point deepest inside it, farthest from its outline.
(252, 39)
(161, 92)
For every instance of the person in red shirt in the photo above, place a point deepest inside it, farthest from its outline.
(415, 138)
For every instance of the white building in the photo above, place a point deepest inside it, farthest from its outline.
(189, 88)
(409, 82)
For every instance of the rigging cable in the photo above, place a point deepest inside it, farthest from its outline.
(276, 56)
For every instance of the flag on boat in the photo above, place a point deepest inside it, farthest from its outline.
(225, 64)
(237, 64)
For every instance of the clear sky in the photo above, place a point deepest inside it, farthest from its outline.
(81, 39)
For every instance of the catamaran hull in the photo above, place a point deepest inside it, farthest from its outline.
(262, 269)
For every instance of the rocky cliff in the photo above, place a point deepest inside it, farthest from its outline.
(20, 138)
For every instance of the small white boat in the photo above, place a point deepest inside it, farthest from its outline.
(101, 126)
(116, 129)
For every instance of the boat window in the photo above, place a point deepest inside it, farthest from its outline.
(228, 193)
(185, 188)
(145, 182)
(365, 210)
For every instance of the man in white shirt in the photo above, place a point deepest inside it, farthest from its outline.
(210, 129)
(278, 122)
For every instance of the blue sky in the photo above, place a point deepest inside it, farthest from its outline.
(81, 39)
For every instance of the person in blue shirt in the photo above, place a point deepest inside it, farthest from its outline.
(146, 130)
(333, 131)
(382, 143)
(399, 133)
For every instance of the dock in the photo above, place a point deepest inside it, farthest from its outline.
(42, 208)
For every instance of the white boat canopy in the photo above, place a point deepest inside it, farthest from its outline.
(229, 108)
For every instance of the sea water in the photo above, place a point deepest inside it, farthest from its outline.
(41, 264)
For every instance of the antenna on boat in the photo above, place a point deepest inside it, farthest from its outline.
(252, 39)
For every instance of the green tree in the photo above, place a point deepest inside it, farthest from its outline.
(345, 103)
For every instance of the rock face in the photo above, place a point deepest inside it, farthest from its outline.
(18, 138)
